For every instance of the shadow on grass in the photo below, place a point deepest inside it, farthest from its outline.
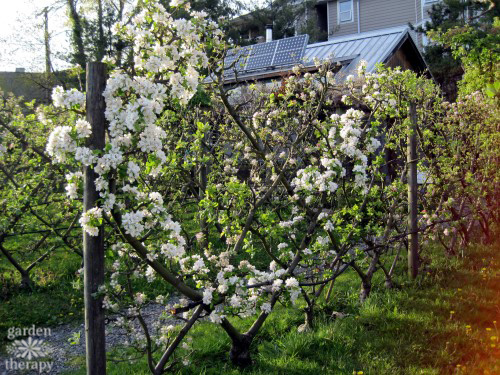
(445, 323)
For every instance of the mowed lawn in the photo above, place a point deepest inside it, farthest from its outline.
(447, 322)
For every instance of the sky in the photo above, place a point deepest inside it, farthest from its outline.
(21, 35)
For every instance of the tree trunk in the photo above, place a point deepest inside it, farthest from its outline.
(412, 194)
(366, 288)
(485, 227)
(388, 278)
(25, 275)
(46, 35)
(101, 44)
(26, 281)
(240, 351)
(308, 324)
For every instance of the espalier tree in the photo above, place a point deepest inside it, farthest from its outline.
(240, 202)
(36, 220)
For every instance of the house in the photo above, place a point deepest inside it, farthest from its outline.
(393, 47)
(29, 85)
(334, 18)
(349, 17)
(376, 31)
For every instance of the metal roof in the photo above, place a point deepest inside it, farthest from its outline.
(373, 47)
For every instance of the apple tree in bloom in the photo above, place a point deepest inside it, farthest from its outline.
(235, 204)
(37, 220)
(463, 145)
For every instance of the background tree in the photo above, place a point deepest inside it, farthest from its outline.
(287, 17)
(475, 16)
(92, 37)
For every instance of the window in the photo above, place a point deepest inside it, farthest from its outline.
(345, 11)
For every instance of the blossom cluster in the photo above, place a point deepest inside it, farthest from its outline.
(133, 104)
(67, 98)
(91, 220)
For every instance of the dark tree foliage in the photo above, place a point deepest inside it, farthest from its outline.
(98, 35)
(77, 56)
(92, 38)
(287, 17)
(444, 16)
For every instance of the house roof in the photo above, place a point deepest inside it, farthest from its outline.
(373, 47)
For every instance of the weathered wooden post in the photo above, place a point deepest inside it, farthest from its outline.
(93, 246)
(411, 158)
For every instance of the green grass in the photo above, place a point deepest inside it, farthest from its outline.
(53, 299)
(436, 325)
(441, 324)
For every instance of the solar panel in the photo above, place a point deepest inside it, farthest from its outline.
(290, 50)
(285, 58)
(262, 55)
(236, 59)
(281, 52)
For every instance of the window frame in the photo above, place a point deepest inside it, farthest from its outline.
(339, 21)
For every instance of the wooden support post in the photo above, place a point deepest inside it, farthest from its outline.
(93, 246)
(411, 158)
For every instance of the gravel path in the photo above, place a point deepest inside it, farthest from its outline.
(62, 351)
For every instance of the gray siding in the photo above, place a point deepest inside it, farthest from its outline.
(380, 14)
(377, 14)
(336, 29)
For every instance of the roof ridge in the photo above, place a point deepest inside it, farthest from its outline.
(365, 35)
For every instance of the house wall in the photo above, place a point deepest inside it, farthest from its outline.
(400, 59)
(336, 28)
(28, 85)
(379, 14)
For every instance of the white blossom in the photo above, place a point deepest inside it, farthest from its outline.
(291, 283)
(133, 223)
(207, 295)
(68, 98)
(60, 143)
(89, 220)
(266, 307)
(216, 317)
(83, 128)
